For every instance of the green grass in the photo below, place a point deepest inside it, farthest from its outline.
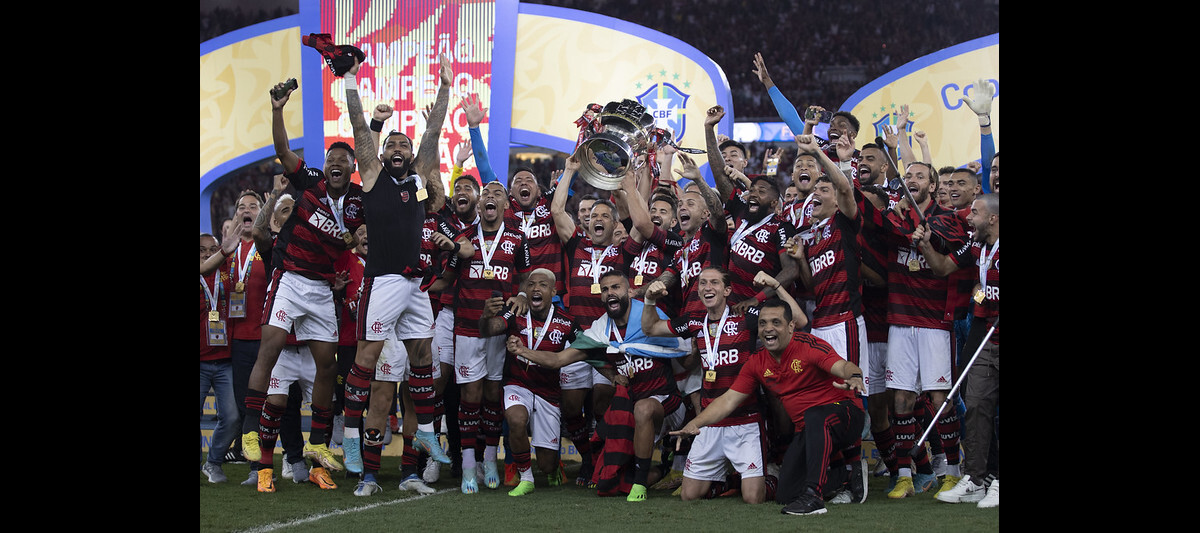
(232, 507)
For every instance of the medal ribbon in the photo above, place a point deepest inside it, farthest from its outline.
(596, 263)
(211, 295)
(985, 264)
(710, 356)
(545, 326)
(485, 252)
(244, 268)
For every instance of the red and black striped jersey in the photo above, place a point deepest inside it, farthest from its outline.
(733, 343)
(754, 247)
(446, 298)
(916, 296)
(551, 336)
(347, 306)
(433, 258)
(648, 259)
(649, 376)
(831, 249)
(971, 258)
(538, 226)
(873, 251)
(708, 247)
(475, 280)
(586, 262)
(962, 281)
(311, 239)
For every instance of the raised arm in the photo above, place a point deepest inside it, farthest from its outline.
(715, 162)
(982, 106)
(783, 107)
(847, 204)
(475, 113)
(715, 412)
(544, 358)
(716, 208)
(652, 324)
(799, 319)
(563, 223)
(635, 207)
(906, 154)
(365, 149)
(428, 163)
(283, 151)
(229, 245)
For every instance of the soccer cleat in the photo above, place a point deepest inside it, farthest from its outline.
(558, 476)
(427, 441)
(287, 470)
(300, 471)
(808, 503)
(266, 481)
(637, 493)
(250, 448)
(352, 454)
(842, 496)
(672, 480)
(938, 462)
(214, 472)
(903, 488)
(320, 477)
(412, 482)
(881, 469)
(469, 485)
(965, 491)
(234, 457)
(491, 476)
(512, 477)
(992, 499)
(923, 482)
(432, 471)
(367, 488)
(678, 491)
(858, 481)
(948, 483)
(322, 454)
(584, 478)
(523, 488)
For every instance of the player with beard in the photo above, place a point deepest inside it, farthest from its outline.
(500, 260)
(531, 392)
(723, 342)
(758, 243)
(982, 390)
(656, 402)
(723, 157)
(817, 389)
(919, 343)
(399, 189)
(300, 296)
(829, 255)
(705, 243)
(873, 167)
(650, 255)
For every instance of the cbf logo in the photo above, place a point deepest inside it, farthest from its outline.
(889, 117)
(666, 103)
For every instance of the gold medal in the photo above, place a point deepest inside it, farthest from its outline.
(979, 295)
(214, 316)
(239, 287)
(914, 265)
(422, 194)
(710, 375)
(712, 330)
(489, 274)
(637, 280)
(348, 237)
(595, 288)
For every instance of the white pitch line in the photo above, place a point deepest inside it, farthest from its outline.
(314, 518)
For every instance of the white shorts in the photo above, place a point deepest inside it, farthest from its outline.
(692, 383)
(671, 421)
(599, 379)
(575, 376)
(443, 337)
(849, 339)
(876, 378)
(478, 358)
(544, 417)
(392, 365)
(295, 364)
(394, 307)
(295, 301)
(739, 445)
(918, 359)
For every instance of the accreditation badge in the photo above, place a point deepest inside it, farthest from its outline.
(216, 333)
(237, 305)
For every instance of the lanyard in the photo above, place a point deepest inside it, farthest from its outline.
(213, 294)
(710, 356)
(742, 230)
(985, 264)
(596, 262)
(486, 252)
(545, 326)
(244, 268)
(336, 207)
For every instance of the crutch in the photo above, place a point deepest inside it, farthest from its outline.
(956, 385)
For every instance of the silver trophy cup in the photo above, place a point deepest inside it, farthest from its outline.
(607, 155)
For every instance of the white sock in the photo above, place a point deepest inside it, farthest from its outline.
(527, 475)
(425, 427)
(904, 472)
(468, 461)
(489, 454)
(954, 470)
(350, 433)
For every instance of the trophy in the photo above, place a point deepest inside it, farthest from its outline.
(623, 135)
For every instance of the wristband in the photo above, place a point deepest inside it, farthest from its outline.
(982, 118)
(351, 82)
(522, 293)
(376, 125)
(852, 376)
(457, 247)
(760, 297)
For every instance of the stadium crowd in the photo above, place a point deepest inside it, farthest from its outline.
(765, 324)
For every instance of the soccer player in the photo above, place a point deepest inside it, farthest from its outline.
(701, 217)
(724, 341)
(816, 387)
(532, 394)
(829, 255)
(981, 393)
(399, 188)
(657, 405)
(500, 259)
(321, 227)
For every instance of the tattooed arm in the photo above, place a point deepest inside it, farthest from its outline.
(365, 149)
(428, 163)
